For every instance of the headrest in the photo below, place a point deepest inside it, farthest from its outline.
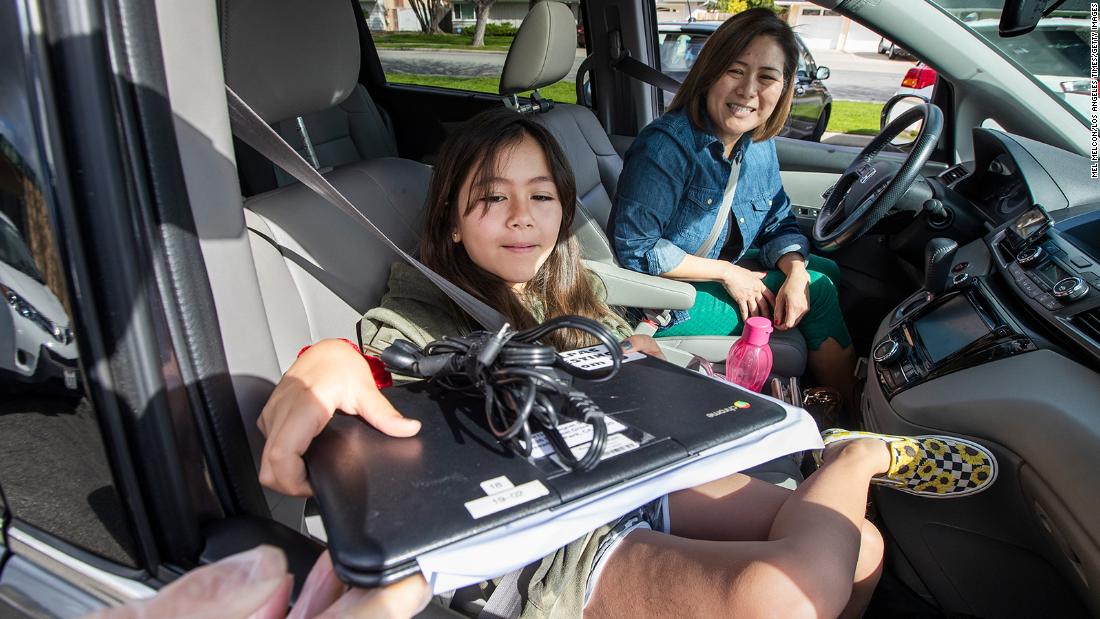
(543, 51)
(288, 58)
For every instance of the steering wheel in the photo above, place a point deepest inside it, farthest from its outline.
(869, 189)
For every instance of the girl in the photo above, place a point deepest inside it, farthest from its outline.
(499, 212)
(710, 154)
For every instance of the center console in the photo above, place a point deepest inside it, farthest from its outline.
(961, 328)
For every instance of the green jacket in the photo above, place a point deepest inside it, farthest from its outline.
(414, 309)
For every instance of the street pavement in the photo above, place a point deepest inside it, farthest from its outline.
(855, 76)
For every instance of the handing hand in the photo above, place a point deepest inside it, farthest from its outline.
(330, 376)
(749, 292)
(793, 299)
(256, 584)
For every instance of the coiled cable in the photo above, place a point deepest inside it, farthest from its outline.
(527, 386)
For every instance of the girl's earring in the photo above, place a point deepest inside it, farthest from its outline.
(454, 237)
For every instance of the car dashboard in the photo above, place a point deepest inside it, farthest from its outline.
(1008, 355)
(1054, 275)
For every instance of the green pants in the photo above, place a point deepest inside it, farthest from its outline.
(715, 313)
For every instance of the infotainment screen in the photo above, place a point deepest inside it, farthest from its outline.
(1030, 225)
(950, 328)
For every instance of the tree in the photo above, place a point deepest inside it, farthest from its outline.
(481, 12)
(429, 13)
(736, 6)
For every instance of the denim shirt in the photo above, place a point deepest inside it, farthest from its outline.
(670, 189)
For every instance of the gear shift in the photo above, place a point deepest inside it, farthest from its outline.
(939, 254)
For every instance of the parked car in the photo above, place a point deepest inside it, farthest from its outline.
(918, 81)
(892, 50)
(188, 301)
(679, 45)
(36, 341)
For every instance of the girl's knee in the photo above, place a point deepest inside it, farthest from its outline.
(871, 544)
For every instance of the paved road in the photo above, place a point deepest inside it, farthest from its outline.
(855, 77)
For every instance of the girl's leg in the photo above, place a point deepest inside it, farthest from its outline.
(805, 568)
(740, 508)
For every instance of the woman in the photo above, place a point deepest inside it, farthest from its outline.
(712, 154)
(500, 208)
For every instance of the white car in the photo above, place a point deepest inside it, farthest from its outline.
(1056, 53)
(36, 338)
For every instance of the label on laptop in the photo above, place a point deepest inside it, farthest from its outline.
(621, 439)
(595, 357)
(518, 495)
(577, 435)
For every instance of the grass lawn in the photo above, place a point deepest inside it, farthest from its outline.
(857, 117)
(406, 40)
(563, 92)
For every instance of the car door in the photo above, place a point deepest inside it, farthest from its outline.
(69, 533)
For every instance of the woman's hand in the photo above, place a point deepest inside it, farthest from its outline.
(793, 299)
(748, 290)
(644, 344)
(255, 584)
(330, 376)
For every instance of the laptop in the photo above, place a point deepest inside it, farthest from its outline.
(386, 501)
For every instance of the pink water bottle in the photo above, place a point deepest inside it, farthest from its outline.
(750, 360)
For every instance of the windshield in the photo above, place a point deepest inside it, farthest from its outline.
(1055, 54)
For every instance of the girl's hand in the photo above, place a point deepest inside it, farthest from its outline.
(644, 344)
(793, 300)
(330, 376)
(749, 292)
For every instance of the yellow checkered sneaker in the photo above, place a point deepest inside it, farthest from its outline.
(939, 467)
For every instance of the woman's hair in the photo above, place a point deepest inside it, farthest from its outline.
(727, 44)
(561, 286)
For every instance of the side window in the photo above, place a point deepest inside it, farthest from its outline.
(429, 43)
(54, 471)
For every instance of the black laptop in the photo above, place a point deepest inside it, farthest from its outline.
(385, 501)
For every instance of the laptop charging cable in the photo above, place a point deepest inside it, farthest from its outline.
(526, 385)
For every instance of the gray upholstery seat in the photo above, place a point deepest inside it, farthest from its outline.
(318, 271)
(542, 54)
(354, 130)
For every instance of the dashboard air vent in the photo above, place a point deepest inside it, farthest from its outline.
(952, 174)
(1089, 323)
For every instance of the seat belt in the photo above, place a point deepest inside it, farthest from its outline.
(726, 207)
(644, 73)
(623, 62)
(252, 130)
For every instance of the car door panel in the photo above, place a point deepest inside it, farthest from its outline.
(803, 156)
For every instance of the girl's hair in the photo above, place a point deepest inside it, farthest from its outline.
(727, 44)
(562, 285)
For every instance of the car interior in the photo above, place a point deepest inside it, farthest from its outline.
(964, 331)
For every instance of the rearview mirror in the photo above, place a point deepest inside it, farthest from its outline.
(822, 73)
(1021, 16)
(894, 108)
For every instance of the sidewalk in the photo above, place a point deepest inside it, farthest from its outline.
(860, 61)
